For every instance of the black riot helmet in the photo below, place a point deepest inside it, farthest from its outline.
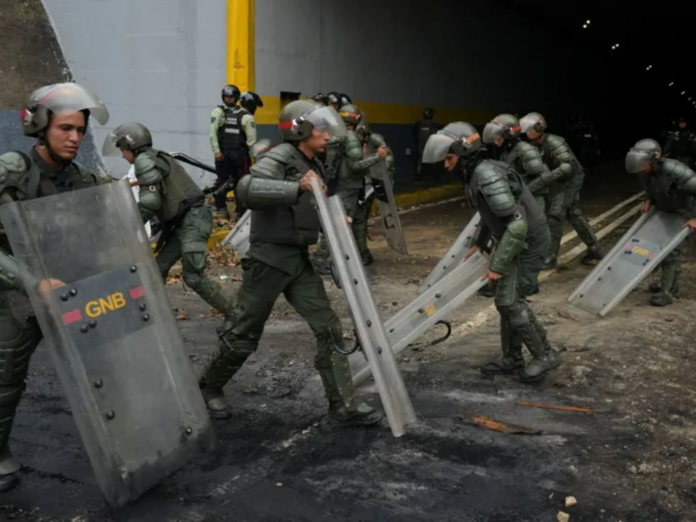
(320, 98)
(250, 101)
(334, 100)
(344, 99)
(428, 113)
(231, 91)
(505, 126)
(643, 156)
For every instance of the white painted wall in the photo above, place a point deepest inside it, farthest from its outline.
(159, 62)
(449, 53)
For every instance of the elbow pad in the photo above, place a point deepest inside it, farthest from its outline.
(259, 193)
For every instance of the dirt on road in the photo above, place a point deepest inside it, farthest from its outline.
(279, 459)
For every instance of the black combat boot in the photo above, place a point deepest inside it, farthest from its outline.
(360, 415)
(9, 468)
(593, 254)
(550, 263)
(367, 258)
(541, 365)
(507, 364)
(661, 299)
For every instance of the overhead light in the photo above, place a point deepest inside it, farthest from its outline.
(671, 83)
(683, 93)
(584, 26)
(648, 67)
(588, 22)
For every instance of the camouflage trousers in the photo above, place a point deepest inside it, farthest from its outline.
(188, 241)
(18, 341)
(262, 284)
(564, 203)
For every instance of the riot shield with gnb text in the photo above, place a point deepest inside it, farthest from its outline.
(111, 334)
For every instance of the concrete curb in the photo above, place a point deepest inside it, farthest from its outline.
(409, 199)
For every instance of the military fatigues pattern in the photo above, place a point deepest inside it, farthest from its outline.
(168, 192)
(349, 187)
(283, 225)
(565, 179)
(671, 187)
(374, 142)
(527, 161)
(22, 178)
(509, 218)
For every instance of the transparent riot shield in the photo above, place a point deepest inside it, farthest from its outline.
(366, 318)
(454, 256)
(389, 215)
(111, 334)
(428, 309)
(652, 237)
(238, 238)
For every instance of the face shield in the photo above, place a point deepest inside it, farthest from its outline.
(67, 98)
(637, 161)
(437, 147)
(492, 131)
(111, 144)
(527, 123)
(326, 119)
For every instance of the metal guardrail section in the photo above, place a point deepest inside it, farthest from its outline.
(428, 309)
(238, 238)
(370, 330)
(454, 256)
(651, 238)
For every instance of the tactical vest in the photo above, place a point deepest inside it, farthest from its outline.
(290, 225)
(663, 190)
(231, 135)
(179, 192)
(424, 129)
(526, 205)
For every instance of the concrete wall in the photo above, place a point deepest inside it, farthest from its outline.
(393, 61)
(159, 62)
(29, 58)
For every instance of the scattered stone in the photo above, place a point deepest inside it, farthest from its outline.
(563, 517)
(279, 484)
(570, 501)
(632, 469)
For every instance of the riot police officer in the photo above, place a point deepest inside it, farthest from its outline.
(372, 142)
(680, 144)
(232, 134)
(508, 214)
(57, 116)
(168, 192)
(284, 223)
(504, 132)
(670, 186)
(350, 184)
(565, 178)
(422, 130)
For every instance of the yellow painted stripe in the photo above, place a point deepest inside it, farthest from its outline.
(386, 113)
(409, 199)
(240, 44)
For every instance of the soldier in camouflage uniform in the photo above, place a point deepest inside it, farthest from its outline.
(57, 115)
(168, 193)
(508, 213)
(372, 142)
(565, 180)
(670, 186)
(284, 223)
(350, 183)
(503, 131)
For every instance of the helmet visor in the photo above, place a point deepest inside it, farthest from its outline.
(110, 147)
(65, 98)
(527, 123)
(637, 161)
(326, 119)
(492, 131)
(437, 148)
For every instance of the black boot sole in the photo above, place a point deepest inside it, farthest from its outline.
(8, 483)
(359, 421)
